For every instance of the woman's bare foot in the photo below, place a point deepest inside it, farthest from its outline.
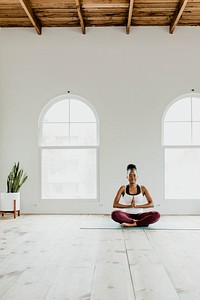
(134, 224)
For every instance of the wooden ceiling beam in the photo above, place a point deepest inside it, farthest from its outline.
(80, 15)
(130, 13)
(178, 15)
(28, 10)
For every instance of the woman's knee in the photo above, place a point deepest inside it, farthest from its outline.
(156, 215)
(115, 214)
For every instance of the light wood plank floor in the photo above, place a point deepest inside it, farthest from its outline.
(50, 257)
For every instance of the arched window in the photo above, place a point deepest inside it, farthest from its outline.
(69, 143)
(181, 141)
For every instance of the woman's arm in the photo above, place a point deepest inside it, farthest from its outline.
(116, 203)
(147, 196)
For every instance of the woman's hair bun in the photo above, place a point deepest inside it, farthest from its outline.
(131, 167)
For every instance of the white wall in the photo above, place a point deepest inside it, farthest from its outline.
(129, 79)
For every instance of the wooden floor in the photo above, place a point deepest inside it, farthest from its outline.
(50, 257)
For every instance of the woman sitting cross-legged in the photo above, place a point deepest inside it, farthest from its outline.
(131, 200)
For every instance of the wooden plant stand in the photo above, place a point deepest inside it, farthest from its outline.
(15, 211)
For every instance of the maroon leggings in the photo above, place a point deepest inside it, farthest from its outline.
(143, 219)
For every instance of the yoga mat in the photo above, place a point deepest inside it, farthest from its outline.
(109, 224)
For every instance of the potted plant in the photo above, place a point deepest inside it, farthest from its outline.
(10, 201)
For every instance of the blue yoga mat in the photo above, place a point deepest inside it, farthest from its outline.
(109, 224)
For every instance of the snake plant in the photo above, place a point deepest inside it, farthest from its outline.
(15, 179)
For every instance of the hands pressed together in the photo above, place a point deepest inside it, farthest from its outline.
(133, 204)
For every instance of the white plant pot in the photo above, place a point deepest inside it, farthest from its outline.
(7, 201)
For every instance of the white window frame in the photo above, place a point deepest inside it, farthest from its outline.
(190, 95)
(41, 147)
